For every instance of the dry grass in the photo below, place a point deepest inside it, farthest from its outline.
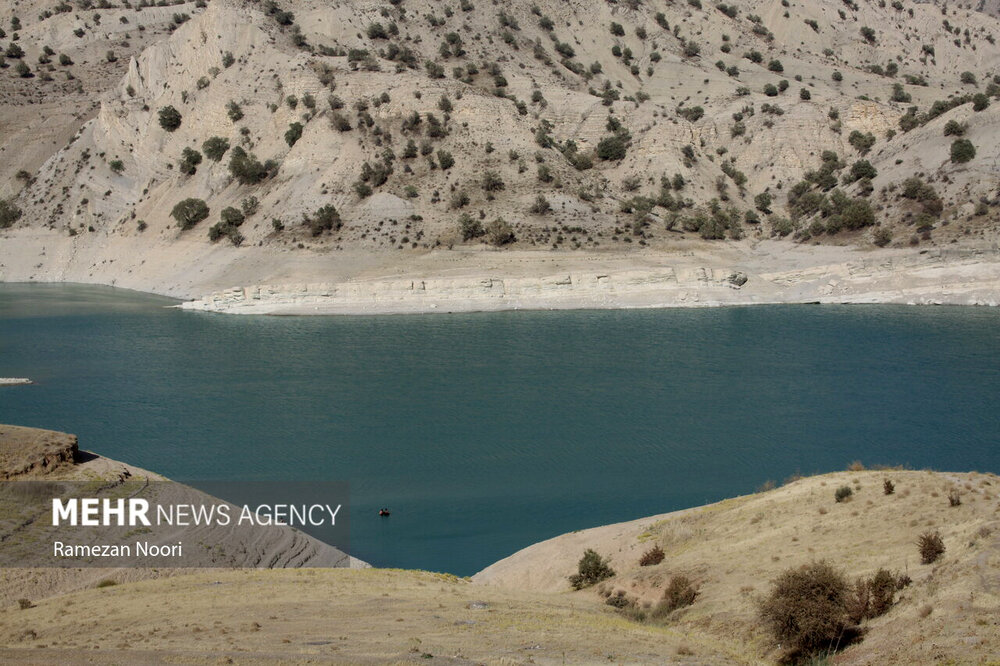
(735, 548)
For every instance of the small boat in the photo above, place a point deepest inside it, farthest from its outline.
(383, 512)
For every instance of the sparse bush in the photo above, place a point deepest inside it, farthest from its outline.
(954, 498)
(234, 111)
(499, 232)
(882, 236)
(25, 604)
(680, 593)
(652, 556)
(843, 493)
(325, 218)
(492, 182)
(806, 610)
(888, 487)
(541, 206)
(340, 122)
(931, 547)
(862, 142)
(470, 227)
(591, 569)
(873, 597)
(445, 159)
(9, 213)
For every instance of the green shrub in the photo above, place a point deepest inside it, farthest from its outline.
(612, 148)
(955, 128)
(293, 134)
(862, 142)
(843, 493)
(962, 151)
(117, 166)
(324, 219)
(888, 487)
(445, 160)
(189, 212)
(470, 227)
(591, 569)
(245, 167)
(234, 111)
(215, 147)
(232, 216)
(170, 118)
(190, 159)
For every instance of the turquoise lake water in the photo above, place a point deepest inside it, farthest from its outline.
(485, 433)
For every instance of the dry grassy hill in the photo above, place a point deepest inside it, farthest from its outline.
(363, 132)
(731, 551)
(521, 610)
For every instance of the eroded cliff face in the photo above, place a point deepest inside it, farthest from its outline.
(32, 453)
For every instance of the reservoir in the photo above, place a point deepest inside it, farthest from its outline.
(484, 433)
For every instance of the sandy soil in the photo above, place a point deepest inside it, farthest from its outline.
(684, 273)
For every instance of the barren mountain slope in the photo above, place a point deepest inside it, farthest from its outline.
(364, 131)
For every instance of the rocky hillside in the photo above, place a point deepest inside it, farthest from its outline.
(406, 125)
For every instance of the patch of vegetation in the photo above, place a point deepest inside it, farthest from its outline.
(591, 569)
(962, 151)
(9, 213)
(806, 611)
(326, 218)
(652, 556)
(215, 147)
(931, 547)
(190, 212)
(170, 118)
(843, 494)
(680, 593)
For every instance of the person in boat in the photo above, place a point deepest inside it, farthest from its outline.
(383, 512)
